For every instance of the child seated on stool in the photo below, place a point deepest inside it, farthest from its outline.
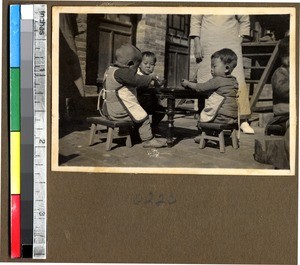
(281, 87)
(120, 84)
(281, 92)
(148, 100)
(221, 105)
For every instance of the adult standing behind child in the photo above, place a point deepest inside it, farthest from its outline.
(149, 100)
(120, 89)
(221, 105)
(212, 33)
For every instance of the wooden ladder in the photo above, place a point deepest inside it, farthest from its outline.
(263, 57)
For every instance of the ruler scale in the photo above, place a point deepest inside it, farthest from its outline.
(40, 132)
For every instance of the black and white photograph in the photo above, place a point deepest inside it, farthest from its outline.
(174, 90)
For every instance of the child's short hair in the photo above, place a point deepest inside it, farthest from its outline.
(284, 47)
(127, 55)
(149, 54)
(227, 56)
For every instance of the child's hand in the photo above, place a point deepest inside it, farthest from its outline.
(160, 82)
(154, 76)
(185, 83)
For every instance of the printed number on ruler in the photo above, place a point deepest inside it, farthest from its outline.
(40, 132)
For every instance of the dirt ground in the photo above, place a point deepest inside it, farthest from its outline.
(75, 151)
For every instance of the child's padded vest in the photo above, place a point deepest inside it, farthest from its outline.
(119, 101)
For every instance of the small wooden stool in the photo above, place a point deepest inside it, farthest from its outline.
(215, 131)
(111, 126)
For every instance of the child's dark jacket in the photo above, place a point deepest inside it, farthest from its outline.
(281, 91)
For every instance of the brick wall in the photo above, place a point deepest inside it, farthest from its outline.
(151, 36)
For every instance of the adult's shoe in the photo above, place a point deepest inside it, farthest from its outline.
(245, 128)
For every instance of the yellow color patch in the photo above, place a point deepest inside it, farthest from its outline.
(15, 163)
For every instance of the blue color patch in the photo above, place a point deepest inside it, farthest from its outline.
(14, 35)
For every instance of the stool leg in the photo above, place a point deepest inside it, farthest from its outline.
(234, 140)
(222, 142)
(202, 140)
(92, 133)
(110, 135)
(128, 140)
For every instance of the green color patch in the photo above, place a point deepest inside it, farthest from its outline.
(14, 86)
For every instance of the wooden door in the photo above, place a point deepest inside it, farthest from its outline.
(177, 49)
(106, 33)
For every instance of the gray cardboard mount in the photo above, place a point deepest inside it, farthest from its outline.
(93, 217)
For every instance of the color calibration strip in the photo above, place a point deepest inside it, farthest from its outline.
(15, 145)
